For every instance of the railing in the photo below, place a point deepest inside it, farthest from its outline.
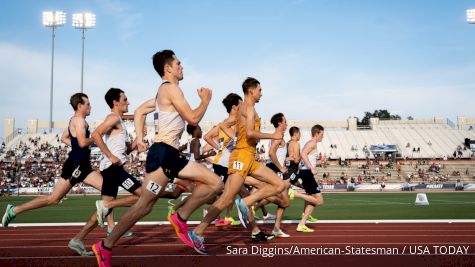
(451, 123)
(10, 137)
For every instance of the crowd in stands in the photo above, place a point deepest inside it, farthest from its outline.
(36, 163)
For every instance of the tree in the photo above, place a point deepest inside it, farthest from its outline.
(382, 114)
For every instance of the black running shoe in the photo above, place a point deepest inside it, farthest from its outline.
(261, 236)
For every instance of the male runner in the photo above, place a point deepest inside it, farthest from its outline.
(164, 162)
(225, 133)
(112, 138)
(307, 172)
(241, 164)
(76, 169)
(277, 159)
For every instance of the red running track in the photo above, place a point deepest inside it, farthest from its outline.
(415, 244)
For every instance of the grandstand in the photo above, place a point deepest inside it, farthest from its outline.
(393, 151)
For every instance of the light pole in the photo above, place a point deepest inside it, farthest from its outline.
(53, 19)
(83, 21)
(471, 16)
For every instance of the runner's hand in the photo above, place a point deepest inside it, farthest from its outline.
(115, 160)
(141, 146)
(205, 94)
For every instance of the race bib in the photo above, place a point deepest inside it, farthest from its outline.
(76, 173)
(127, 184)
(153, 187)
(237, 165)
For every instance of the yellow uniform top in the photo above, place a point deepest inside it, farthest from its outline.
(243, 142)
(223, 142)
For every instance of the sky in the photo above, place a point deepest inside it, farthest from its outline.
(316, 59)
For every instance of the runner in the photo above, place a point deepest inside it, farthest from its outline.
(241, 164)
(76, 169)
(164, 162)
(112, 138)
(307, 174)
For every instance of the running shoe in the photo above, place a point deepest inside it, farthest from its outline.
(304, 229)
(232, 221)
(310, 218)
(279, 233)
(198, 243)
(171, 210)
(103, 256)
(261, 236)
(126, 234)
(269, 217)
(79, 247)
(8, 216)
(242, 212)
(102, 212)
(181, 229)
(291, 194)
(222, 222)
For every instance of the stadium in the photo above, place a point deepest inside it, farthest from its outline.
(433, 157)
(404, 154)
(159, 174)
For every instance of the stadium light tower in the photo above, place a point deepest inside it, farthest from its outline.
(53, 19)
(471, 16)
(83, 21)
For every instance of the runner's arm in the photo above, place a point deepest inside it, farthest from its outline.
(192, 116)
(79, 124)
(139, 120)
(65, 138)
(105, 127)
(253, 134)
(210, 135)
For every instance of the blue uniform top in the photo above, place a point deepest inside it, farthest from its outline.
(79, 154)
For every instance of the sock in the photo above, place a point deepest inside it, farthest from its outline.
(104, 246)
(180, 218)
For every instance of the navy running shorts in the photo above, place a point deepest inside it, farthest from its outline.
(309, 183)
(221, 171)
(116, 176)
(161, 155)
(76, 172)
(292, 172)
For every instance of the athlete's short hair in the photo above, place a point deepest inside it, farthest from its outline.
(249, 83)
(111, 95)
(293, 130)
(191, 128)
(316, 129)
(162, 58)
(231, 100)
(76, 99)
(276, 118)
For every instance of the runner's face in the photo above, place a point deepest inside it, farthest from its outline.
(86, 107)
(123, 103)
(235, 108)
(257, 93)
(198, 132)
(320, 136)
(177, 68)
(283, 124)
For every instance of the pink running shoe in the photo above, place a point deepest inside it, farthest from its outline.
(222, 222)
(103, 255)
(181, 229)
